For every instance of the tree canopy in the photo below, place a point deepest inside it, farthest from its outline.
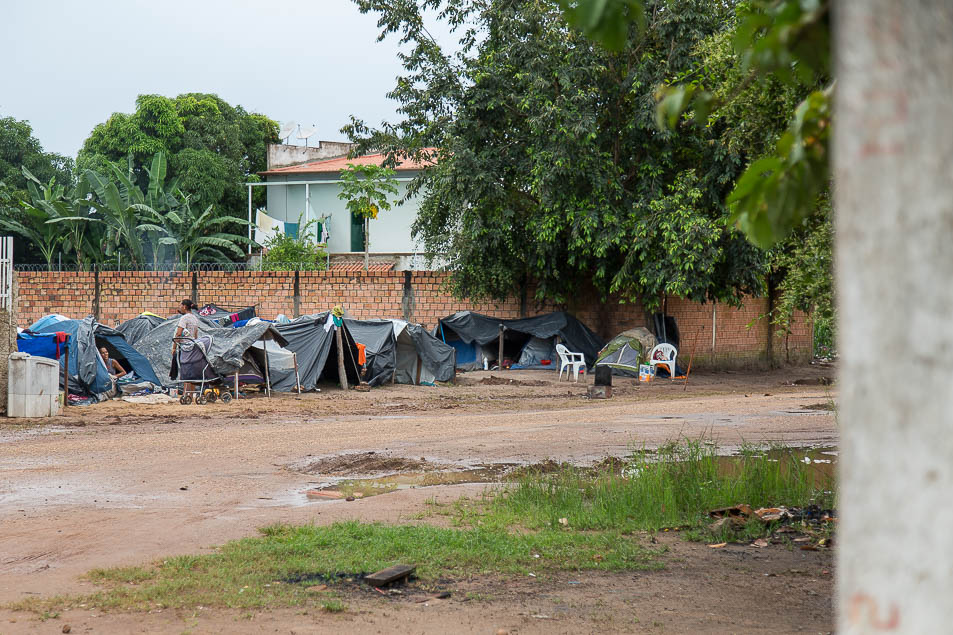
(550, 167)
(20, 149)
(211, 147)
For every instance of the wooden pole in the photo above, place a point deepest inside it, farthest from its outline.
(419, 364)
(294, 356)
(66, 376)
(499, 358)
(342, 376)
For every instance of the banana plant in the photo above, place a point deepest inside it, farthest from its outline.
(121, 209)
(70, 209)
(196, 236)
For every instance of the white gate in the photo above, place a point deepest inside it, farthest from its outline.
(6, 273)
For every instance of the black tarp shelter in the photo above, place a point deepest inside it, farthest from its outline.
(395, 351)
(474, 336)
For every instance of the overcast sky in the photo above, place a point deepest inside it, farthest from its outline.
(68, 65)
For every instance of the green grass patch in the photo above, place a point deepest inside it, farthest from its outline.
(673, 487)
(277, 569)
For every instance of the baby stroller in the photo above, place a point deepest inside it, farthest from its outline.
(194, 368)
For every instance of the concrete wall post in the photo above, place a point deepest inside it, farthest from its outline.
(893, 158)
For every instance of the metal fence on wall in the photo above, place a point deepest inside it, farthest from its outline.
(167, 267)
(6, 273)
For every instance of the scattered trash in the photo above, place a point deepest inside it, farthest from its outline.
(317, 588)
(760, 543)
(67, 628)
(717, 545)
(564, 522)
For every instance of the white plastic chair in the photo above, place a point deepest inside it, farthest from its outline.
(573, 360)
(669, 353)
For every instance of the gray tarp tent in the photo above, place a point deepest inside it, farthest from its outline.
(474, 335)
(140, 326)
(230, 350)
(392, 348)
(421, 357)
(87, 372)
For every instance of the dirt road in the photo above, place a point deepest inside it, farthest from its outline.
(121, 484)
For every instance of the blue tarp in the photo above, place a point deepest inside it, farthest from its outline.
(39, 344)
(44, 322)
(86, 367)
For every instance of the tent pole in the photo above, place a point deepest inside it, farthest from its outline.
(499, 359)
(341, 374)
(267, 374)
(294, 356)
(419, 364)
(236, 384)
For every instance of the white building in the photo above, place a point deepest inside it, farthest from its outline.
(308, 191)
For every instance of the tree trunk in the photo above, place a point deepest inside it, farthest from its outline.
(894, 212)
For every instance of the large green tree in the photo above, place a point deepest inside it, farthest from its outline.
(550, 168)
(20, 149)
(212, 147)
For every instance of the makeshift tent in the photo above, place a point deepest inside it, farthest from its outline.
(87, 372)
(45, 321)
(228, 354)
(136, 328)
(380, 348)
(626, 351)
(420, 357)
(475, 336)
(394, 351)
(224, 316)
(313, 345)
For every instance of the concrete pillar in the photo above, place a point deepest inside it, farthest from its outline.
(893, 157)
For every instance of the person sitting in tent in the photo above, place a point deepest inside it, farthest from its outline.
(115, 368)
(188, 326)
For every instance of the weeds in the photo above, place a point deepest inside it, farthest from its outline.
(673, 487)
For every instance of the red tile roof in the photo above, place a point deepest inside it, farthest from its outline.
(340, 163)
(359, 266)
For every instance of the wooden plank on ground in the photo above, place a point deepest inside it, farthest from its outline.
(390, 574)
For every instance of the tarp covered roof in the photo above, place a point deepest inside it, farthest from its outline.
(483, 329)
(137, 328)
(226, 355)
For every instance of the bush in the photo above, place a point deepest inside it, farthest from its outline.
(287, 253)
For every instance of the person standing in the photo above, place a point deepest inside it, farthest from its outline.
(188, 326)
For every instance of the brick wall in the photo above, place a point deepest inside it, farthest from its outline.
(742, 336)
